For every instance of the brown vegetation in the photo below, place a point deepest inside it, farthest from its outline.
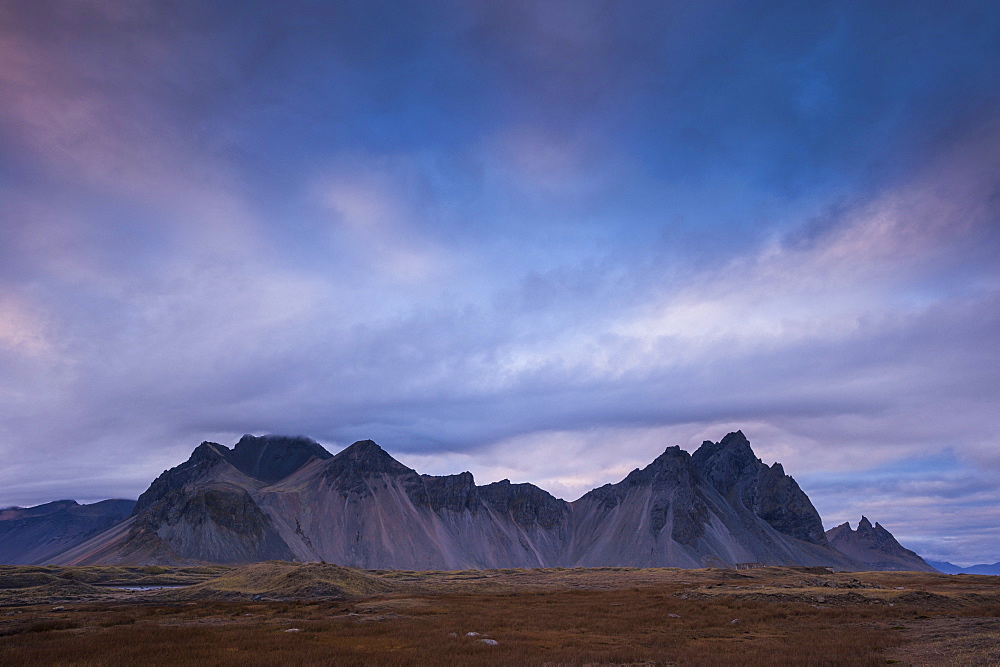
(281, 613)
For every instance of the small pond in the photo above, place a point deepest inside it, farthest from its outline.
(146, 588)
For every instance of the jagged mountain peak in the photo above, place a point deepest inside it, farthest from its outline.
(726, 459)
(733, 445)
(670, 455)
(670, 470)
(672, 458)
(672, 467)
(209, 451)
(528, 504)
(363, 458)
(367, 451)
(266, 458)
(875, 547)
(363, 447)
(732, 467)
(727, 463)
(735, 439)
(506, 487)
(257, 442)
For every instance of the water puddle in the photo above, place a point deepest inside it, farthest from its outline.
(147, 588)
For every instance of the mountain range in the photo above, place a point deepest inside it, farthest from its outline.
(39, 534)
(951, 568)
(287, 498)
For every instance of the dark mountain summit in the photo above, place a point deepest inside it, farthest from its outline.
(204, 509)
(350, 469)
(875, 548)
(728, 462)
(271, 458)
(732, 468)
(265, 459)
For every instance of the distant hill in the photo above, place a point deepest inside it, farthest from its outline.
(950, 568)
(875, 548)
(32, 535)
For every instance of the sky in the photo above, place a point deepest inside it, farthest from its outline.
(540, 241)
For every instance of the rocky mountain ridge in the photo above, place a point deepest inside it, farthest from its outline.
(875, 548)
(275, 497)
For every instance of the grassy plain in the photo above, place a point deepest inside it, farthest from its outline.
(284, 613)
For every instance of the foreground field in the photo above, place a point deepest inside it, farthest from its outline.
(281, 613)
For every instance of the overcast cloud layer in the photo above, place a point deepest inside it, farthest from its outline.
(541, 241)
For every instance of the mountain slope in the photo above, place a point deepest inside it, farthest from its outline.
(34, 535)
(204, 509)
(875, 548)
(287, 498)
(945, 567)
(365, 509)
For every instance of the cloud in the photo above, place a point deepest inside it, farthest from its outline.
(542, 243)
(20, 330)
(372, 205)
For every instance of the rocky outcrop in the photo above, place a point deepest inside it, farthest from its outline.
(875, 548)
(689, 511)
(744, 480)
(526, 504)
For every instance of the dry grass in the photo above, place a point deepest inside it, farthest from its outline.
(31, 584)
(598, 616)
(293, 580)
